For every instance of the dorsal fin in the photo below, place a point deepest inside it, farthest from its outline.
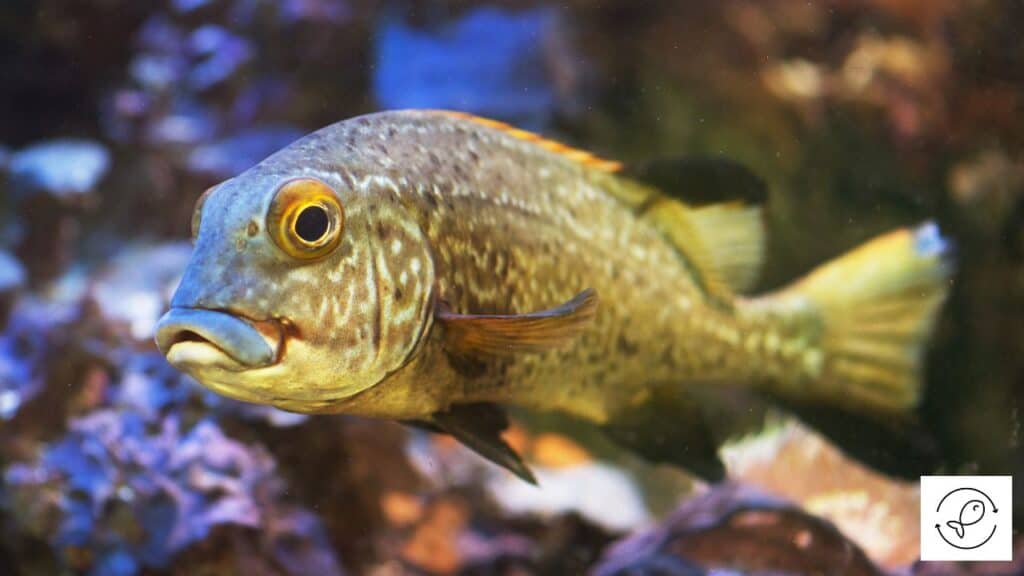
(733, 237)
(708, 209)
(574, 154)
(701, 180)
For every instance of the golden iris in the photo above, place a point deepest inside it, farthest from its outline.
(306, 219)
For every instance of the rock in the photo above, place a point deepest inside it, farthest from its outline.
(879, 513)
(188, 124)
(734, 530)
(33, 347)
(585, 489)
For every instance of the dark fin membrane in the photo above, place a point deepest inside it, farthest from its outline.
(701, 180)
(671, 427)
(479, 428)
(500, 334)
(894, 444)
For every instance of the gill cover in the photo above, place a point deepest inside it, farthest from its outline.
(347, 271)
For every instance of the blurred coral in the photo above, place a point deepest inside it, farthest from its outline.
(238, 152)
(60, 168)
(464, 65)
(129, 494)
(12, 279)
(51, 183)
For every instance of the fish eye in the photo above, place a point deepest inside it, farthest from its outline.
(306, 219)
(197, 212)
(312, 223)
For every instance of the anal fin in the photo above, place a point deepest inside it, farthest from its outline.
(669, 427)
(687, 425)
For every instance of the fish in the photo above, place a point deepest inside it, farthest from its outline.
(970, 514)
(438, 269)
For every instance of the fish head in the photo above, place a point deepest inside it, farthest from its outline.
(972, 512)
(303, 290)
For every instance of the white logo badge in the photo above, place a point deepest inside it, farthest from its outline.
(966, 518)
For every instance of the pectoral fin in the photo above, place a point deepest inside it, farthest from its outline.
(469, 334)
(479, 428)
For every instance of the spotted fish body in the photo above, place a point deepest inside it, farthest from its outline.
(449, 218)
(507, 239)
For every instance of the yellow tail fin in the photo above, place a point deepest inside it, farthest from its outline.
(873, 310)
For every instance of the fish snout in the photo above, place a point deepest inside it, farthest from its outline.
(200, 338)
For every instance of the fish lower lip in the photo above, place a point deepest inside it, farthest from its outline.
(203, 337)
(195, 354)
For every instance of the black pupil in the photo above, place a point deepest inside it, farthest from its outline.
(312, 223)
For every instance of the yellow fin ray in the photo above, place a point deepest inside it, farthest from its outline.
(722, 244)
(876, 306)
(733, 235)
(709, 209)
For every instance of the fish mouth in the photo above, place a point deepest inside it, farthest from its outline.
(197, 338)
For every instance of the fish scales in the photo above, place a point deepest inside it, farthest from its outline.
(511, 227)
(409, 264)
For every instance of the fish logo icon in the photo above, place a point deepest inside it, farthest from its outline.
(974, 524)
(966, 518)
(972, 513)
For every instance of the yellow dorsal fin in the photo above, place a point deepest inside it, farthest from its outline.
(733, 235)
(721, 244)
(574, 154)
(721, 241)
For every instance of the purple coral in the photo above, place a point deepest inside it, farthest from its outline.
(136, 492)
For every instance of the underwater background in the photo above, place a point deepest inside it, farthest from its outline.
(115, 115)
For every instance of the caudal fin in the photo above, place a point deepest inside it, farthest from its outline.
(875, 309)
